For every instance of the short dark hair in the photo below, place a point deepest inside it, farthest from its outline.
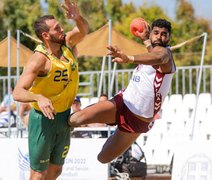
(40, 25)
(162, 23)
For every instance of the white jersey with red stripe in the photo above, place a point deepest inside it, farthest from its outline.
(147, 90)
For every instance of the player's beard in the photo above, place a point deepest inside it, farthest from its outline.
(58, 40)
(158, 43)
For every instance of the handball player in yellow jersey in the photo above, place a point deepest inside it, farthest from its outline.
(50, 83)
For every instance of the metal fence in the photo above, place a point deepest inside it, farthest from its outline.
(184, 81)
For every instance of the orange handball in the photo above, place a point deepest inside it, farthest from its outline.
(137, 24)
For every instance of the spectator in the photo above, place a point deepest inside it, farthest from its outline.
(7, 104)
(8, 100)
(76, 106)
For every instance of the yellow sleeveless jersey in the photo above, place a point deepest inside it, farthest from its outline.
(60, 85)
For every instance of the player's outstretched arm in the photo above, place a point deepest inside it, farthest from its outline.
(158, 56)
(81, 29)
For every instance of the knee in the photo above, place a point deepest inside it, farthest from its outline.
(102, 159)
(37, 175)
(57, 173)
(54, 174)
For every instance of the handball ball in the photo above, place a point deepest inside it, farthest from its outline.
(137, 24)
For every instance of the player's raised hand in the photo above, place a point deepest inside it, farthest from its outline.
(144, 35)
(71, 9)
(118, 55)
(114, 51)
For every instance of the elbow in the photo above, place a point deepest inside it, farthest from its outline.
(16, 95)
(162, 58)
(165, 60)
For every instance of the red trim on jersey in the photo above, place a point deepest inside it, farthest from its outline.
(158, 97)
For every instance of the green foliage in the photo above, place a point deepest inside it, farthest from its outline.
(21, 14)
(54, 7)
(114, 10)
(147, 13)
(188, 26)
(18, 14)
(185, 11)
(95, 13)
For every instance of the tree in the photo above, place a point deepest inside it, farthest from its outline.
(188, 26)
(15, 15)
(20, 18)
(95, 13)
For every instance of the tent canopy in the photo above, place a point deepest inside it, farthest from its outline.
(25, 53)
(94, 44)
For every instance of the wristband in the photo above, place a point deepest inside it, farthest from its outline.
(131, 59)
(147, 43)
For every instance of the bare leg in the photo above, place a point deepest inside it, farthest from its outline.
(51, 174)
(102, 112)
(116, 144)
(34, 175)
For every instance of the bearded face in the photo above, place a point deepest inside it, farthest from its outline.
(158, 43)
(55, 33)
(58, 39)
(159, 36)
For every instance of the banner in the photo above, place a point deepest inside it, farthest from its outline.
(81, 162)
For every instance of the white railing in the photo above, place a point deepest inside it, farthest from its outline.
(184, 82)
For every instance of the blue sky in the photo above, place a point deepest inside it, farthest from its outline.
(203, 8)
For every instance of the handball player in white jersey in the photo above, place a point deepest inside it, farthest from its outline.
(133, 109)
